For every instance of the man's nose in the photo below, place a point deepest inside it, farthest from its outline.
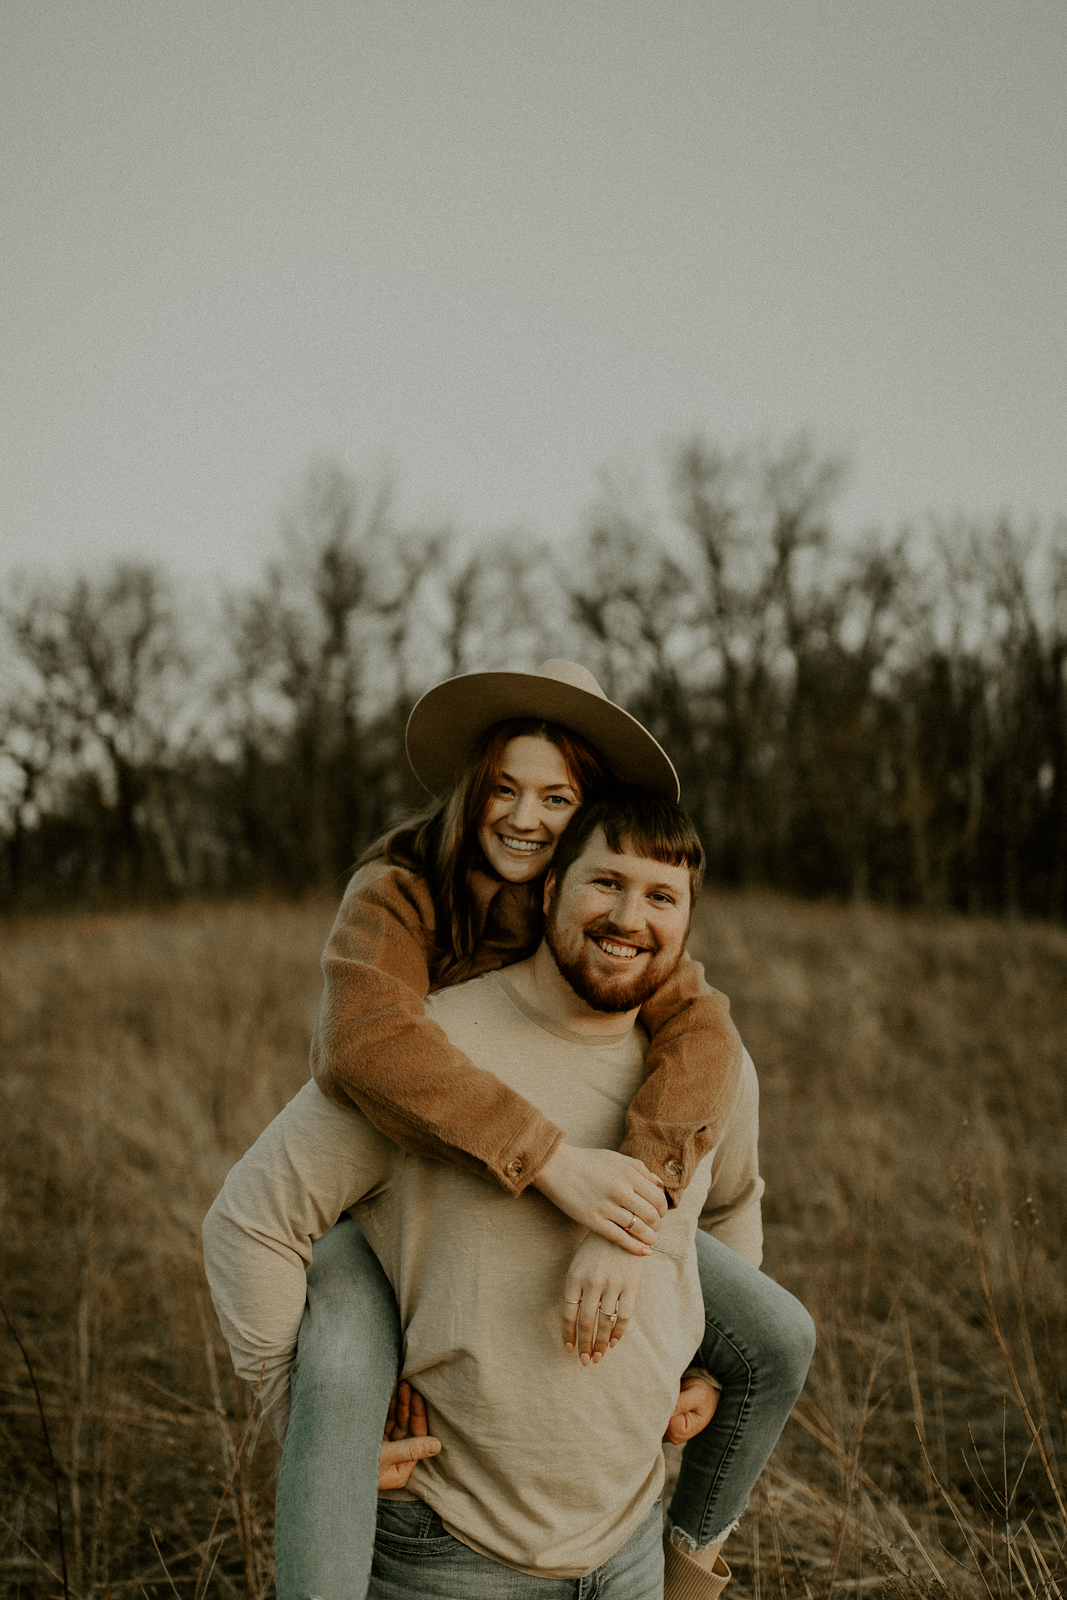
(628, 912)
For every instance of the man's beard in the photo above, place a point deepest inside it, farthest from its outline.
(605, 991)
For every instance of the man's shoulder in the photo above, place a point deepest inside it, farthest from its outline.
(327, 1131)
(312, 1114)
(325, 1145)
(469, 1001)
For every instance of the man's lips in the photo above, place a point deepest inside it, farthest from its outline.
(621, 949)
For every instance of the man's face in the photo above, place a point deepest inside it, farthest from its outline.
(617, 924)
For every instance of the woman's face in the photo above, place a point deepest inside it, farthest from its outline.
(532, 803)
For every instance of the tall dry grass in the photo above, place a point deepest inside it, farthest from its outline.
(913, 1107)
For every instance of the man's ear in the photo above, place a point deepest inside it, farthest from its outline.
(550, 885)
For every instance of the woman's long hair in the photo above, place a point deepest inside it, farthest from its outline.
(442, 845)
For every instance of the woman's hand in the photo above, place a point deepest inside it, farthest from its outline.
(407, 1440)
(599, 1294)
(693, 1410)
(610, 1194)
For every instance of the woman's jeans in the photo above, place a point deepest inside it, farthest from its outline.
(758, 1341)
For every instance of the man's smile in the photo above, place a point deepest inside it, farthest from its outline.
(616, 947)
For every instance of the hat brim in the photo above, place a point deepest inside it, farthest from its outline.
(445, 725)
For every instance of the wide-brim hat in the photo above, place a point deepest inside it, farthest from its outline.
(446, 724)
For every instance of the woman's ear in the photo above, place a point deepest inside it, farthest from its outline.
(550, 885)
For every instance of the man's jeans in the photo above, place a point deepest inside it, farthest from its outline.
(758, 1342)
(414, 1554)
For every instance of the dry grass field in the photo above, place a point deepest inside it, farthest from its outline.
(913, 1113)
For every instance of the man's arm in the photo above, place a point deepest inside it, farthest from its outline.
(731, 1211)
(314, 1161)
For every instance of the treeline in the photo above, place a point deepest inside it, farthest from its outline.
(878, 718)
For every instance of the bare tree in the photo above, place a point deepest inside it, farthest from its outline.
(108, 682)
(300, 643)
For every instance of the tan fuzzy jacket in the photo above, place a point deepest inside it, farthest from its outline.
(374, 1046)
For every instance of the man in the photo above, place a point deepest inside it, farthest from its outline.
(548, 1468)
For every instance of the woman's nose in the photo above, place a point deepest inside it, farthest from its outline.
(525, 813)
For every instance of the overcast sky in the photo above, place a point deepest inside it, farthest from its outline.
(497, 245)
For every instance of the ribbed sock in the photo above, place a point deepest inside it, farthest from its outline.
(686, 1578)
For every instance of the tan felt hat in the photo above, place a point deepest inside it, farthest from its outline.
(446, 724)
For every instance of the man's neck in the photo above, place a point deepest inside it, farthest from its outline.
(544, 988)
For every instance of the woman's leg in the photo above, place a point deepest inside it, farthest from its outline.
(346, 1366)
(758, 1342)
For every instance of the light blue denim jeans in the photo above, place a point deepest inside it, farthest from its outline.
(414, 1554)
(758, 1341)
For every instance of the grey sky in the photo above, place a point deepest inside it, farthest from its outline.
(499, 244)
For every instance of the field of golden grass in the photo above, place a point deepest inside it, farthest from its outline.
(913, 1110)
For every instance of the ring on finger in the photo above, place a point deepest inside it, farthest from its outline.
(629, 1226)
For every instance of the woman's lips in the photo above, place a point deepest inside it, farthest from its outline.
(526, 847)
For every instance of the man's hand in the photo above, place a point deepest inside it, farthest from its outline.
(406, 1441)
(599, 1294)
(693, 1410)
(610, 1194)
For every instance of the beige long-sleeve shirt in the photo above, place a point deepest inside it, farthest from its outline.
(478, 1275)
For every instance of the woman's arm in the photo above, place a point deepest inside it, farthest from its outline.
(692, 1077)
(374, 1046)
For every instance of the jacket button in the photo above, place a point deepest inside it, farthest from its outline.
(673, 1167)
(514, 1169)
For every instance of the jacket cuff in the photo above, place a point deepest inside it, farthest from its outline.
(664, 1157)
(523, 1156)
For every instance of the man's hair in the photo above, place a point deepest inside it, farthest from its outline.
(640, 820)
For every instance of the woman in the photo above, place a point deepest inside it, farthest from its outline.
(441, 900)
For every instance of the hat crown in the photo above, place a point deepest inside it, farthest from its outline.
(446, 724)
(570, 672)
